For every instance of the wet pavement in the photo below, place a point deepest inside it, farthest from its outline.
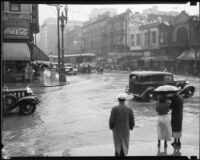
(72, 120)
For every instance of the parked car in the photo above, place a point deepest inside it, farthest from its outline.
(69, 70)
(23, 99)
(143, 83)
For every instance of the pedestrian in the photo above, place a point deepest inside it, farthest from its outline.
(26, 74)
(176, 117)
(121, 122)
(164, 129)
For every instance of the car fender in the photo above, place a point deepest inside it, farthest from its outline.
(28, 99)
(186, 88)
(149, 89)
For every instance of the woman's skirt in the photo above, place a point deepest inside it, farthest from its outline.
(164, 128)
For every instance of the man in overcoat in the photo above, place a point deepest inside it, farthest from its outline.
(121, 122)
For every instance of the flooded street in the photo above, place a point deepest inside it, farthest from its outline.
(76, 115)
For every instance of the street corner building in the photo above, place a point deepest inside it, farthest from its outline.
(19, 24)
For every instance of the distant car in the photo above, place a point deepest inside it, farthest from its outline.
(70, 70)
(143, 83)
(21, 98)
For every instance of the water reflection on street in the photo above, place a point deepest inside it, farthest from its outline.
(77, 115)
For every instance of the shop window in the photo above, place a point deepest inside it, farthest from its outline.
(15, 7)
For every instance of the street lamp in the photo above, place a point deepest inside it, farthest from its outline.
(61, 18)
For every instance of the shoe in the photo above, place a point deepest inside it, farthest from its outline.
(165, 145)
(179, 144)
(173, 144)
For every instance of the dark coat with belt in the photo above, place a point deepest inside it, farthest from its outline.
(121, 122)
(177, 113)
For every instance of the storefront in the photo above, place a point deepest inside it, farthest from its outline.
(189, 62)
(15, 57)
(15, 50)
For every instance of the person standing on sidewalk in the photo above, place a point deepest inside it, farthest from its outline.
(164, 128)
(176, 118)
(121, 121)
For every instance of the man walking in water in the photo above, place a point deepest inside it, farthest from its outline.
(121, 122)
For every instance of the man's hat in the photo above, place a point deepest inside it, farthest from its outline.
(122, 96)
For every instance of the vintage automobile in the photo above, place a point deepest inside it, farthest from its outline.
(143, 83)
(70, 70)
(22, 99)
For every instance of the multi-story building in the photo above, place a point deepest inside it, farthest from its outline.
(19, 23)
(74, 41)
(134, 34)
(185, 44)
(94, 37)
(96, 12)
(48, 34)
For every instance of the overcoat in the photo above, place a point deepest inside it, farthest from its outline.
(121, 122)
(177, 113)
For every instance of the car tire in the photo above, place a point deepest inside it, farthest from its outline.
(27, 108)
(189, 93)
(149, 96)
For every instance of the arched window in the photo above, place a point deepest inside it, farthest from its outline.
(182, 35)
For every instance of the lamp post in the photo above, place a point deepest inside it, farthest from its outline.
(63, 18)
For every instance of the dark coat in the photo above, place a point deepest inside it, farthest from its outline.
(177, 113)
(121, 122)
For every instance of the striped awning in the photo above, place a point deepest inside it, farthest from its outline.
(39, 55)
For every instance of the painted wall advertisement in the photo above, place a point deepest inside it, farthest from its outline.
(16, 31)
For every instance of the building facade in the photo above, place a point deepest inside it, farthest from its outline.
(19, 23)
(49, 38)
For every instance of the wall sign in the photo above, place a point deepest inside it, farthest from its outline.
(16, 31)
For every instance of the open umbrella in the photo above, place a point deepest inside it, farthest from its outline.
(167, 88)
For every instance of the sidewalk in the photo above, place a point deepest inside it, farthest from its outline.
(135, 149)
(47, 82)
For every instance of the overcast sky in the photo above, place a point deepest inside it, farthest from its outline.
(81, 12)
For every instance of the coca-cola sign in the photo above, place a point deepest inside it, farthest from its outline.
(16, 31)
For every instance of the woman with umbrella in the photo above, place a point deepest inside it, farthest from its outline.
(164, 127)
(176, 118)
(176, 106)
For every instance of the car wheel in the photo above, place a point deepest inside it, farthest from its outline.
(27, 108)
(149, 96)
(189, 93)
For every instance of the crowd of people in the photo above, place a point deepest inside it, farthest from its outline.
(122, 120)
(34, 72)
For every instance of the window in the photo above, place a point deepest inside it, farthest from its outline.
(168, 79)
(14, 7)
(132, 40)
(182, 35)
(138, 39)
(153, 37)
(146, 39)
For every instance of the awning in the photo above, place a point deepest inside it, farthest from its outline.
(16, 51)
(154, 58)
(189, 55)
(39, 55)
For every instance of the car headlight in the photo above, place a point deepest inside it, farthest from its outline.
(29, 90)
(187, 82)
